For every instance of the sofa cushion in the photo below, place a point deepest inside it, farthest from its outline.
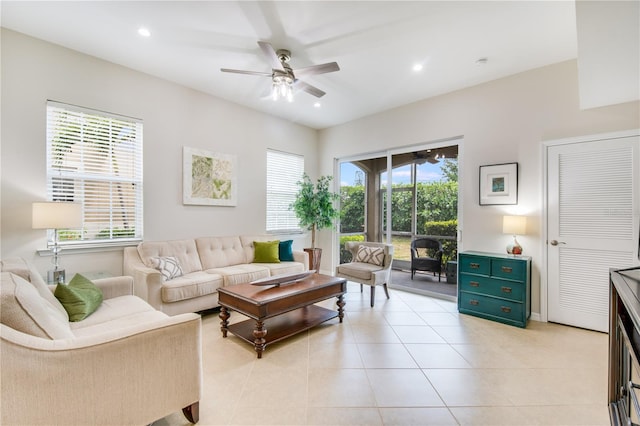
(266, 252)
(244, 273)
(373, 255)
(218, 252)
(169, 267)
(80, 297)
(192, 285)
(115, 313)
(23, 309)
(359, 270)
(19, 266)
(248, 246)
(285, 251)
(184, 250)
(284, 268)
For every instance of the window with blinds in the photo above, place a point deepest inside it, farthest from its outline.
(95, 159)
(283, 171)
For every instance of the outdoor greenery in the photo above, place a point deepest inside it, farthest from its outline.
(437, 212)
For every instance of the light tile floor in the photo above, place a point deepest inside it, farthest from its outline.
(410, 360)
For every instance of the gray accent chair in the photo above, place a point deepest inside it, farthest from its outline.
(367, 273)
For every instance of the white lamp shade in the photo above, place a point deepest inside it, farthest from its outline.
(56, 215)
(514, 225)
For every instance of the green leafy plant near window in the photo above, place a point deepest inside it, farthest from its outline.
(314, 205)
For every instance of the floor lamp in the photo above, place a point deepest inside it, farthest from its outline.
(56, 216)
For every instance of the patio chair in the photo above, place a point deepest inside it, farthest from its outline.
(426, 255)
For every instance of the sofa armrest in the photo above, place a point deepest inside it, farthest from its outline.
(115, 286)
(302, 257)
(133, 375)
(111, 287)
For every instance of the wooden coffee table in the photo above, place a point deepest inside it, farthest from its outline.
(279, 312)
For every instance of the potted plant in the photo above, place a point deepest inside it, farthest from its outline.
(314, 208)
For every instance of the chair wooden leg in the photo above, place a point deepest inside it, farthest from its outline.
(192, 412)
(373, 294)
(386, 290)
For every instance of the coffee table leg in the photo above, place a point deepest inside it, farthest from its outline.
(341, 304)
(259, 334)
(224, 324)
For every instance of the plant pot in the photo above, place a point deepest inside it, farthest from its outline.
(315, 255)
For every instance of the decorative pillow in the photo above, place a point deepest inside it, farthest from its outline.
(266, 252)
(285, 251)
(80, 297)
(24, 310)
(373, 255)
(169, 267)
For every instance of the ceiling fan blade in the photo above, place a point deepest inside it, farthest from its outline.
(265, 74)
(268, 51)
(317, 69)
(301, 85)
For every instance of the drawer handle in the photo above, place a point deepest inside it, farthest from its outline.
(505, 309)
(474, 283)
(473, 265)
(506, 289)
(474, 302)
(507, 269)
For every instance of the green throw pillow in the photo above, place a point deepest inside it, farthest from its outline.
(80, 297)
(266, 252)
(285, 251)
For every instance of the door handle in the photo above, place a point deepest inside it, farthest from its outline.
(556, 242)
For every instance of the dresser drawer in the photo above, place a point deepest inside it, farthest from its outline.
(509, 269)
(492, 286)
(491, 306)
(474, 265)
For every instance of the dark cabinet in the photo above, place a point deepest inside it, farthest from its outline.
(624, 347)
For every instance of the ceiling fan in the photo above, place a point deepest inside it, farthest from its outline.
(283, 77)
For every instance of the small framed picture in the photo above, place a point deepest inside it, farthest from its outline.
(499, 184)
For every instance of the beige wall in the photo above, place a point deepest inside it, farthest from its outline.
(502, 121)
(174, 116)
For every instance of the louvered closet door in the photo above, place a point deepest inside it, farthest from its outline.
(593, 218)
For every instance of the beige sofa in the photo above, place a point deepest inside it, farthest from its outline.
(207, 264)
(125, 364)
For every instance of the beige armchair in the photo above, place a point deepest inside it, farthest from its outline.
(125, 364)
(370, 265)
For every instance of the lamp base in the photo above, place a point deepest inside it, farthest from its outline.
(514, 248)
(56, 276)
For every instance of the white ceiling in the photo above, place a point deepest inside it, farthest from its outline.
(375, 44)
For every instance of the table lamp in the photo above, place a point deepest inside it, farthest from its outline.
(56, 215)
(514, 225)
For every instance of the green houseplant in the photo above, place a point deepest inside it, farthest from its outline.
(314, 208)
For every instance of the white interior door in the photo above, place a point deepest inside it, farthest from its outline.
(592, 225)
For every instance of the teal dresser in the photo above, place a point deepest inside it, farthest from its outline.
(495, 286)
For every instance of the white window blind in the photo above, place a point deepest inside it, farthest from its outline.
(283, 171)
(95, 158)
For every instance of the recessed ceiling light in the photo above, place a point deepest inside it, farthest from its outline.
(144, 32)
(317, 105)
(417, 67)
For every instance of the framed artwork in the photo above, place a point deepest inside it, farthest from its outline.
(499, 184)
(209, 178)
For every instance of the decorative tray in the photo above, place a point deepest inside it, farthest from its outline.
(278, 280)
